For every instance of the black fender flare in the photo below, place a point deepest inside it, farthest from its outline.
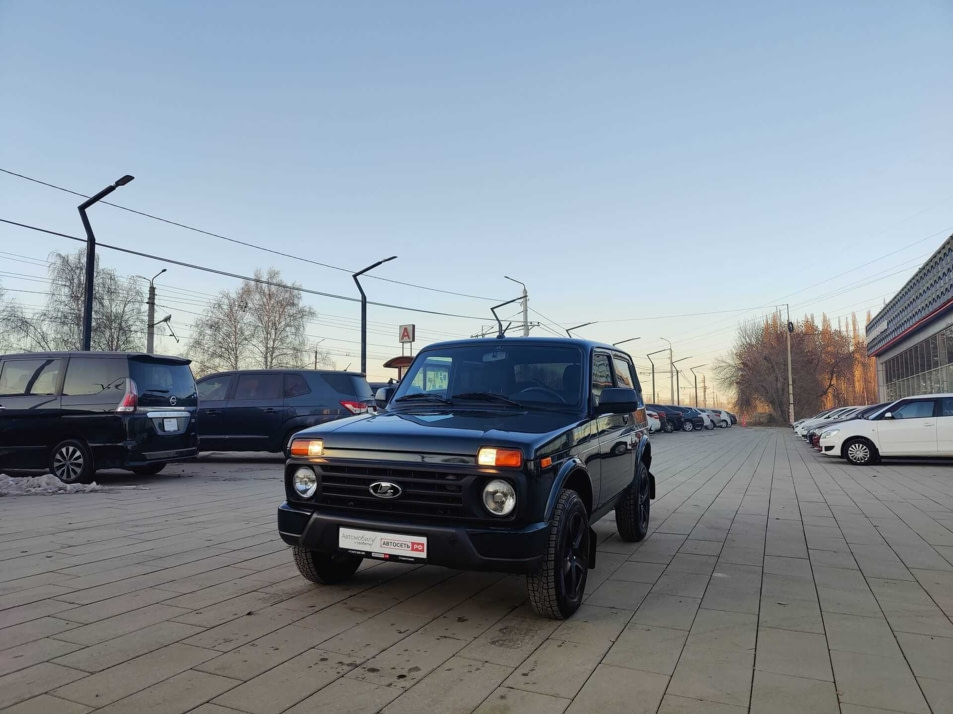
(568, 467)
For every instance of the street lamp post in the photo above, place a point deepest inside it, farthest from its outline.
(671, 370)
(790, 329)
(357, 282)
(91, 257)
(692, 370)
(649, 355)
(678, 394)
(525, 305)
(622, 342)
(570, 329)
(151, 315)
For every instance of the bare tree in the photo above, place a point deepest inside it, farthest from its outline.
(278, 320)
(118, 316)
(222, 334)
(11, 323)
(261, 325)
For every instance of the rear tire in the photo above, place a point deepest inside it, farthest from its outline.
(860, 452)
(557, 588)
(150, 470)
(723, 424)
(325, 568)
(709, 425)
(668, 427)
(632, 511)
(72, 462)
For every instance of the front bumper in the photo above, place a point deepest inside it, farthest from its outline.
(829, 447)
(465, 548)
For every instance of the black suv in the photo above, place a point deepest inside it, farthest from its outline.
(75, 412)
(492, 455)
(261, 409)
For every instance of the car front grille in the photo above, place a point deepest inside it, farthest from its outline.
(425, 493)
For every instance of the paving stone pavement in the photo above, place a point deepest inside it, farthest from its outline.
(773, 581)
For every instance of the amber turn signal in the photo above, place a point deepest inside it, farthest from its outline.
(307, 447)
(489, 456)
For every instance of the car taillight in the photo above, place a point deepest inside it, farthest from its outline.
(355, 407)
(130, 400)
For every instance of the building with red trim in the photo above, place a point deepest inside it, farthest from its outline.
(912, 336)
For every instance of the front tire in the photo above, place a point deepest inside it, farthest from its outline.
(557, 588)
(688, 426)
(709, 425)
(724, 424)
(633, 508)
(668, 427)
(72, 462)
(325, 568)
(860, 452)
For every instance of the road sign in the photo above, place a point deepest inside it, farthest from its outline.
(407, 333)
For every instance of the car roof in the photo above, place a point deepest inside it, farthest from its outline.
(282, 370)
(548, 341)
(93, 353)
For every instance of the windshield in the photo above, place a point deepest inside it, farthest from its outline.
(500, 375)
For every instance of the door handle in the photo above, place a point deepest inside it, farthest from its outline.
(269, 410)
(928, 425)
(211, 411)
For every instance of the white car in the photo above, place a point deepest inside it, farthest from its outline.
(912, 426)
(720, 417)
(808, 424)
(655, 423)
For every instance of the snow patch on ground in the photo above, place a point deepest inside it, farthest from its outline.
(45, 485)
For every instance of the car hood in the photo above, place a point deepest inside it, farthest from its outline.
(851, 427)
(455, 432)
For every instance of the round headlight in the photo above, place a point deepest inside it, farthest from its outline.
(305, 482)
(499, 497)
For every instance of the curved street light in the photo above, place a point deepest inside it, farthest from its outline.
(364, 310)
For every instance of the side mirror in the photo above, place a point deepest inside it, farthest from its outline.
(617, 400)
(888, 415)
(384, 395)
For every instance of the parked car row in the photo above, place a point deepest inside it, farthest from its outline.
(669, 418)
(75, 412)
(919, 426)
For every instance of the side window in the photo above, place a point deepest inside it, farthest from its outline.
(29, 377)
(258, 386)
(214, 387)
(625, 375)
(296, 386)
(601, 374)
(914, 410)
(89, 376)
(946, 407)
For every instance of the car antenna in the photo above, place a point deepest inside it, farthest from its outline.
(499, 323)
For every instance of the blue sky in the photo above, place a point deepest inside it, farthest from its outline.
(628, 161)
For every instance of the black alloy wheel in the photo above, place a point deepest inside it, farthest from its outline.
(557, 588)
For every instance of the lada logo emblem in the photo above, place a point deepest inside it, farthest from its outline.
(173, 401)
(385, 489)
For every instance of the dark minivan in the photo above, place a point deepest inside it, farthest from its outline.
(76, 412)
(260, 410)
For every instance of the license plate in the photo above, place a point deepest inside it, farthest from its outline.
(387, 546)
(170, 424)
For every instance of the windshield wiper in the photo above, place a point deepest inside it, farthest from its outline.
(422, 396)
(486, 397)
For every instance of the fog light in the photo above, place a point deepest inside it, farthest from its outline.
(305, 482)
(499, 497)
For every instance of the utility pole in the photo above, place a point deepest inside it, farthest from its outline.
(151, 315)
(91, 258)
(671, 370)
(692, 370)
(525, 302)
(790, 329)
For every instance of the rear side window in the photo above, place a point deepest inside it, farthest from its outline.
(350, 384)
(296, 386)
(163, 383)
(89, 376)
(258, 386)
(29, 377)
(625, 375)
(214, 387)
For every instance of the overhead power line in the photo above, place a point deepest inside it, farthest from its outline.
(247, 244)
(238, 276)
